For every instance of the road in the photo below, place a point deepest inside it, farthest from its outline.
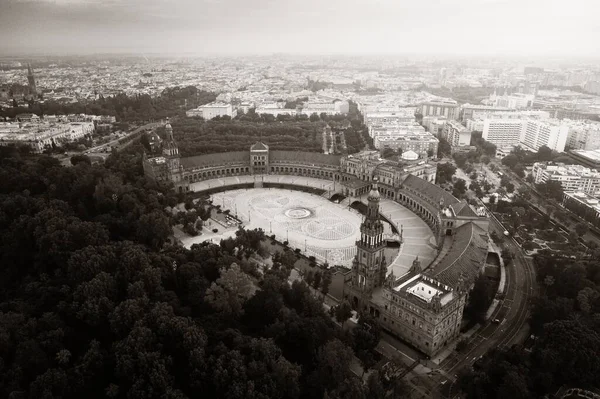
(513, 313)
(98, 150)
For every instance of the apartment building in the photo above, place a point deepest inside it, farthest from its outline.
(502, 132)
(446, 108)
(456, 134)
(571, 177)
(583, 135)
(549, 133)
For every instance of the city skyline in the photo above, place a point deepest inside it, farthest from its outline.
(209, 27)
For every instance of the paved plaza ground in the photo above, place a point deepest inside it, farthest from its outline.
(323, 184)
(310, 222)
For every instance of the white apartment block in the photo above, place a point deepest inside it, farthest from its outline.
(550, 133)
(212, 110)
(480, 111)
(583, 135)
(456, 134)
(529, 132)
(502, 132)
(475, 125)
(571, 177)
(447, 108)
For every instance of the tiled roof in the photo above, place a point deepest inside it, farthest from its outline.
(307, 157)
(430, 190)
(259, 147)
(463, 209)
(220, 158)
(466, 256)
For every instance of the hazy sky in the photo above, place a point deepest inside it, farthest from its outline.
(512, 27)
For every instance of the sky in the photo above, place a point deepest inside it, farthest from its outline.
(212, 27)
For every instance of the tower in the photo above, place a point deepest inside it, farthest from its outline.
(170, 150)
(31, 80)
(369, 267)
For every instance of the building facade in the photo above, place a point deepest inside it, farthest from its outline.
(447, 109)
(575, 178)
(456, 134)
(423, 307)
(212, 110)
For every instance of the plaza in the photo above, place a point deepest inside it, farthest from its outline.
(318, 227)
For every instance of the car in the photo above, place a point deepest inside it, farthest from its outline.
(496, 321)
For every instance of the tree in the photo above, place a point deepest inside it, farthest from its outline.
(326, 283)
(510, 160)
(343, 312)
(544, 154)
(444, 173)
(76, 159)
(581, 229)
(480, 298)
(230, 291)
(317, 280)
(460, 185)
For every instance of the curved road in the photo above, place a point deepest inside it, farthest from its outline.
(513, 313)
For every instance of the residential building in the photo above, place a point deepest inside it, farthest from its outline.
(583, 135)
(551, 133)
(446, 108)
(456, 134)
(571, 177)
(502, 132)
(529, 132)
(480, 111)
(212, 110)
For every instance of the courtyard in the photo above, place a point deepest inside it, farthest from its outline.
(319, 227)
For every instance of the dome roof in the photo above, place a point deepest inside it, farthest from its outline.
(410, 155)
(374, 193)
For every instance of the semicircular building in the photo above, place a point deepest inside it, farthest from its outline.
(424, 305)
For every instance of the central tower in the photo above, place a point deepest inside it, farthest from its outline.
(369, 267)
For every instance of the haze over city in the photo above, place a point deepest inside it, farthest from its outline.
(484, 27)
(366, 199)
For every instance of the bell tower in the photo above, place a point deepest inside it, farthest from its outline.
(170, 149)
(31, 81)
(369, 267)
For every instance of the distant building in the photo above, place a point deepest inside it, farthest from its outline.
(212, 110)
(529, 132)
(502, 132)
(480, 111)
(447, 108)
(549, 133)
(41, 136)
(571, 177)
(319, 107)
(31, 80)
(590, 158)
(584, 135)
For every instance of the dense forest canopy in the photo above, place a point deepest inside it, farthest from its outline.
(95, 302)
(195, 136)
